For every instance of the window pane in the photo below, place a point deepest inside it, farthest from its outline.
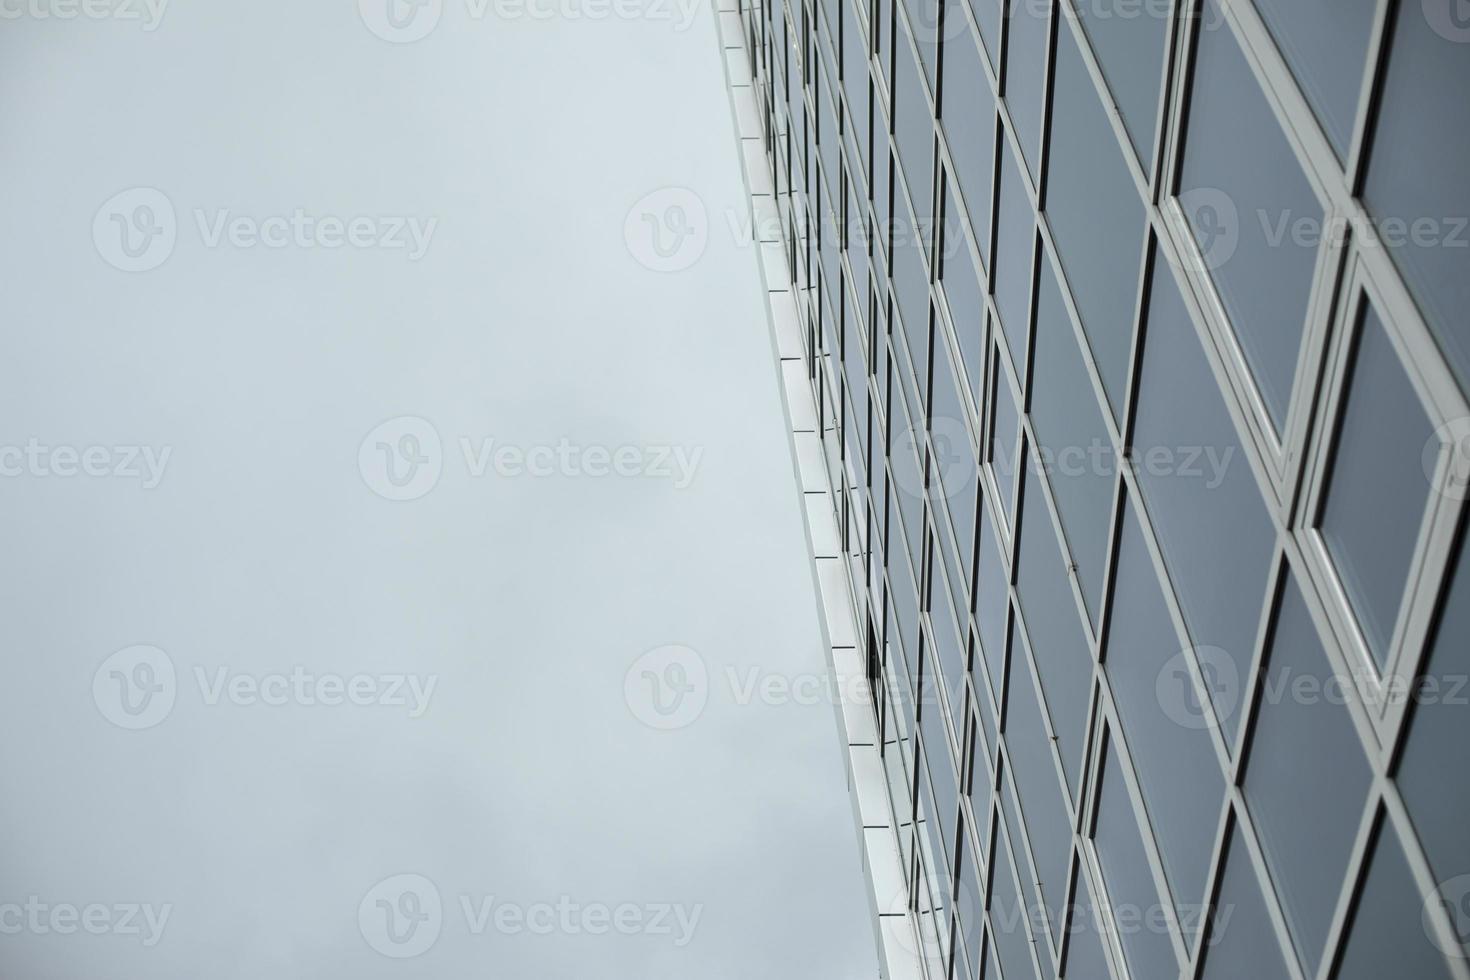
(1246, 198)
(987, 15)
(1128, 880)
(1085, 959)
(1048, 821)
(855, 80)
(1074, 442)
(1306, 816)
(1096, 217)
(1204, 502)
(991, 598)
(969, 129)
(1026, 74)
(1416, 174)
(1376, 494)
(1326, 44)
(1011, 276)
(969, 905)
(1388, 937)
(1131, 52)
(913, 127)
(964, 295)
(1008, 918)
(1242, 945)
(1063, 660)
(1438, 734)
(1183, 786)
(1005, 441)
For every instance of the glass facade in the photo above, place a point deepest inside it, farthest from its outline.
(1143, 393)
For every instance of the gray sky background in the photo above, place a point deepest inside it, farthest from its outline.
(268, 544)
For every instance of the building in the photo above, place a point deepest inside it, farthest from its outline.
(1132, 334)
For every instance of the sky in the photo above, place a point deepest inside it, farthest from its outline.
(404, 565)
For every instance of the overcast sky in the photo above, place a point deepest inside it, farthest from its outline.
(395, 507)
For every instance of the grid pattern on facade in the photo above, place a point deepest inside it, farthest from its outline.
(1137, 333)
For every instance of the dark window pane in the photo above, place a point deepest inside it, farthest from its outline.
(1416, 188)
(1048, 822)
(1430, 775)
(1096, 217)
(1131, 51)
(1206, 507)
(1387, 937)
(1306, 815)
(1005, 441)
(991, 599)
(1245, 195)
(1063, 660)
(1011, 276)
(964, 296)
(1183, 786)
(1241, 942)
(969, 129)
(1008, 918)
(1326, 44)
(1074, 441)
(1129, 881)
(913, 128)
(1376, 494)
(1025, 76)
